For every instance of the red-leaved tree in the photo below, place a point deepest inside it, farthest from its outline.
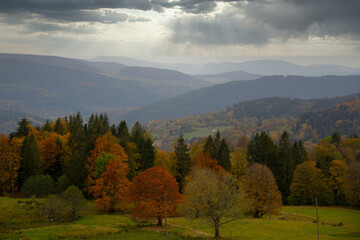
(148, 194)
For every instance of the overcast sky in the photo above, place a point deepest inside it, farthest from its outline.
(301, 31)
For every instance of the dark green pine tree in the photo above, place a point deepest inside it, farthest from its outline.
(59, 127)
(335, 139)
(123, 133)
(105, 125)
(210, 147)
(31, 164)
(224, 155)
(113, 130)
(284, 172)
(263, 150)
(299, 153)
(147, 153)
(76, 171)
(182, 162)
(22, 129)
(137, 133)
(47, 126)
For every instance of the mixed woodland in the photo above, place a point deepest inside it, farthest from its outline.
(121, 170)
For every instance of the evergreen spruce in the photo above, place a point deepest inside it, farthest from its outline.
(182, 162)
(224, 155)
(31, 164)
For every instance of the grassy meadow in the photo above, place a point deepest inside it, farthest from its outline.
(19, 218)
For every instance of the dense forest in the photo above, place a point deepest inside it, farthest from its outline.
(122, 171)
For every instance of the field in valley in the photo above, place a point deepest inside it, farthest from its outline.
(19, 219)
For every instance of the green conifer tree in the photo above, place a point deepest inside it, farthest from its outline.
(182, 162)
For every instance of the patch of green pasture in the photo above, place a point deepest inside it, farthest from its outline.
(202, 132)
(292, 223)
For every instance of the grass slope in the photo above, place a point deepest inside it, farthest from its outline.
(21, 220)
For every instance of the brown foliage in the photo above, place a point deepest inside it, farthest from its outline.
(148, 194)
(49, 151)
(261, 189)
(111, 190)
(9, 163)
(204, 160)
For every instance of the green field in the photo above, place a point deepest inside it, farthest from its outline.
(23, 220)
(204, 132)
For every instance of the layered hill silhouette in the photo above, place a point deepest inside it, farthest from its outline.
(220, 96)
(260, 67)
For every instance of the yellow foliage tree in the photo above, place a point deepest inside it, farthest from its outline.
(337, 180)
(239, 163)
(261, 189)
(9, 163)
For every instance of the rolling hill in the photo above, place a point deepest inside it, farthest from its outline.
(260, 67)
(220, 96)
(306, 119)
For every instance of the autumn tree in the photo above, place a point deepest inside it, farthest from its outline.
(261, 189)
(149, 191)
(162, 160)
(239, 162)
(10, 160)
(50, 154)
(182, 162)
(204, 160)
(103, 144)
(213, 195)
(308, 184)
(337, 180)
(352, 189)
(323, 154)
(111, 189)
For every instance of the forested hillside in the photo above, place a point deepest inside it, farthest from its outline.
(220, 96)
(308, 120)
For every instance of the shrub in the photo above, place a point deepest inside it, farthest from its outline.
(75, 201)
(40, 186)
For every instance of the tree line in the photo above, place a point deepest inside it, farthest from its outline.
(121, 170)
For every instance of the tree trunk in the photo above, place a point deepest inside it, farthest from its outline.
(159, 223)
(217, 231)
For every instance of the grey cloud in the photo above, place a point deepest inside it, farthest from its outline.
(305, 17)
(51, 27)
(219, 30)
(258, 22)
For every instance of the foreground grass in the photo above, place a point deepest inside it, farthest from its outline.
(21, 220)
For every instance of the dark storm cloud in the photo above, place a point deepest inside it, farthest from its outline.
(246, 22)
(264, 20)
(307, 17)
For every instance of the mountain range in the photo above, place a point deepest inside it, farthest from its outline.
(260, 67)
(220, 96)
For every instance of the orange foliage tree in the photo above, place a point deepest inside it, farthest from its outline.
(9, 163)
(111, 189)
(106, 143)
(203, 160)
(148, 194)
(50, 150)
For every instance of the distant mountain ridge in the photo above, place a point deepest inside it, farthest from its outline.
(260, 67)
(52, 86)
(220, 96)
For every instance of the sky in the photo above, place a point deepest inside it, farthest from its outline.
(194, 31)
